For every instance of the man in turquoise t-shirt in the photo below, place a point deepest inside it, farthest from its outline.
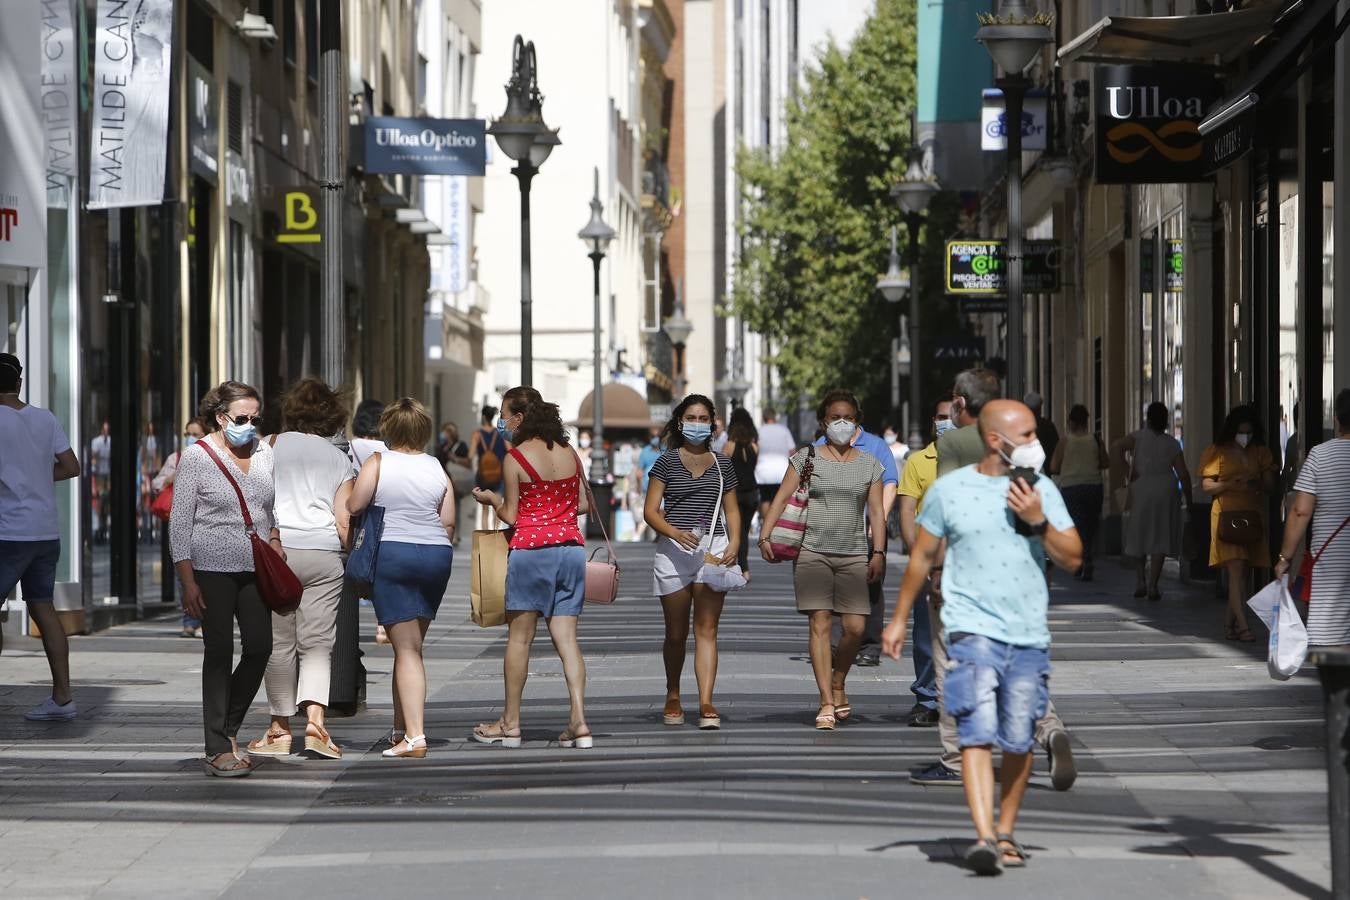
(998, 529)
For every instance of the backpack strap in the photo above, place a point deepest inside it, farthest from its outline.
(524, 464)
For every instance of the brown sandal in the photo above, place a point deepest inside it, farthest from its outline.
(233, 768)
(318, 740)
(273, 743)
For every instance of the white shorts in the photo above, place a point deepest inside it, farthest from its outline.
(675, 568)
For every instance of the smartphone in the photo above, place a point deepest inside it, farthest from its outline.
(1029, 477)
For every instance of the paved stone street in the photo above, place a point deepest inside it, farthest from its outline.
(1201, 777)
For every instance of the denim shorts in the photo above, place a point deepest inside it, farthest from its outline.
(32, 564)
(548, 580)
(995, 691)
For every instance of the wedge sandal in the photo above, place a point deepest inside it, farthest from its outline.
(483, 735)
(319, 741)
(273, 743)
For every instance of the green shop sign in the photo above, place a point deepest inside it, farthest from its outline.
(980, 267)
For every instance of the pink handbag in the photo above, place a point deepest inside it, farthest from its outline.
(602, 578)
(785, 540)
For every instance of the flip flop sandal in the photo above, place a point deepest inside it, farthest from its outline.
(984, 857)
(1014, 849)
(318, 740)
(481, 735)
(568, 741)
(238, 768)
(273, 743)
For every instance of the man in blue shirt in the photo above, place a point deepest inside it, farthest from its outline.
(999, 522)
(869, 651)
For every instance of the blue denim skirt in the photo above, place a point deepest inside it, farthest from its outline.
(410, 581)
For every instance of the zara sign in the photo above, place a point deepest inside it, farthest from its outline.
(1147, 118)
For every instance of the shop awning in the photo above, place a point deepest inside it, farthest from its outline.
(1211, 39)
(1281, 65)
(624, 408)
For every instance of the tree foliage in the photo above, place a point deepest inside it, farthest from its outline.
(817, 215)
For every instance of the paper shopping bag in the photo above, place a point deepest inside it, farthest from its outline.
(487, 580)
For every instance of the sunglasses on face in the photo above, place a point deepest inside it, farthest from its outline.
(243, 419)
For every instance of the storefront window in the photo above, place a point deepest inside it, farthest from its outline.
(1147, 279)
(1172, 320)
(1289, 372)
(1329, 385)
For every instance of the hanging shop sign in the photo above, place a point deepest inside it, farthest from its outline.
(203, 130)
(960, 350)
(1147, 120)
(129, 124)
(23, 191)
(456, 253)
(1229, 142)
(980, 267)
(59, 112)
(994, 121)
(299, 216)
(1174, 281)
(423, 146)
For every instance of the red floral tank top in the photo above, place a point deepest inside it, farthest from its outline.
(548, 509)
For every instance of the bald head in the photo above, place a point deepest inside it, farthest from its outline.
(1000, 419)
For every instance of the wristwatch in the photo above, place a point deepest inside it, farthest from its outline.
(1040, 527)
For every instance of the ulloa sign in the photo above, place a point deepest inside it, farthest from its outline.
(1147, 118)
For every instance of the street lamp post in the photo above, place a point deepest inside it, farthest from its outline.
(596, 236)
(678, 329)
(913, 193)
(1013, 38)
(522, 135)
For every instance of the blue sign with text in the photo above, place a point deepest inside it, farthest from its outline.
(424, 146)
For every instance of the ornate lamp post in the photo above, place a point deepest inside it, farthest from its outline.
(522, 135)
(913, 194)
(678, 329)
(596, 236)
(1013, 38)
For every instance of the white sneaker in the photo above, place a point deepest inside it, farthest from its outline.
(51, 711)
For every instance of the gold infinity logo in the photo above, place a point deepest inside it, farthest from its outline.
(1157, 140)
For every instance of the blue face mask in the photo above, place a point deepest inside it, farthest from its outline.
(189, 440)
(655, 442)
(239, 435)
(507, 434)
(696, 432)
(942, 426)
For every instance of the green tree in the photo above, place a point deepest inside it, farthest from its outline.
(817, 215)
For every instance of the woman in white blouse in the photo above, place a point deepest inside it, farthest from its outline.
(214, 561)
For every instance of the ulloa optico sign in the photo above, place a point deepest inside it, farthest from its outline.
(1147, 118)
(425, 146)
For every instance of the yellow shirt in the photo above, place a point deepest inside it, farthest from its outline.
(919, 474)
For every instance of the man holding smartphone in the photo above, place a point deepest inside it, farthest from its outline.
(998, 521)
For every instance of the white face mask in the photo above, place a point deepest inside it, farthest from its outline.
(585, 443)
(840, 431)
(1024, 456)
(891, 437)
(1243, 440)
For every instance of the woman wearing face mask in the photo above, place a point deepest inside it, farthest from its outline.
(214, 560)
(1238, 471)
(193, 431)
(683, 496)
(836, 564)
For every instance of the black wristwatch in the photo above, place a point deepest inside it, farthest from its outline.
(1039, 528)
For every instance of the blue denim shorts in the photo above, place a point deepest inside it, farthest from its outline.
(995, 691)
(548, 580)
(32, 564)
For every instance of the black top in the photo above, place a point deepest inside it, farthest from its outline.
(688, 501)
(743, 460)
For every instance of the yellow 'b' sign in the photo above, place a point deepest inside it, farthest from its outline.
(301, 220)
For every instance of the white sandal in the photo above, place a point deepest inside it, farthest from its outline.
(411, 747)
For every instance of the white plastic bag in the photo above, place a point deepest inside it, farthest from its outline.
(1288, 635)
(721, 578)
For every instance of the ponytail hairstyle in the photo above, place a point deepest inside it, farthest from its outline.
(218, 400)
(671, 436)
(538, 419)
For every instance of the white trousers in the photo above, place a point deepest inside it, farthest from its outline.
(302, 641)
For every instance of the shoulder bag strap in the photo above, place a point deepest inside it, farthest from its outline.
(717, 509)
(519, 457)
(586, 485)
(243, 504)
(1328, 541)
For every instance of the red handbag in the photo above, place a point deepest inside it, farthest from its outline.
(277, 584)
(1302, 586)
(162, 507)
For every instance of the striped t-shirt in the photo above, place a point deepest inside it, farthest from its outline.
(689, 502)
(836, 516)
(1326, 475)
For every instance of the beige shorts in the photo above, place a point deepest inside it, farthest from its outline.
(833, 582)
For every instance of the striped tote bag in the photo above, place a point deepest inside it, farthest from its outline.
(785, 540)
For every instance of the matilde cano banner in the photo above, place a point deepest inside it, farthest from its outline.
(128, 141)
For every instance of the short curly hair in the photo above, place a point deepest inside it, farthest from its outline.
(312, 407)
